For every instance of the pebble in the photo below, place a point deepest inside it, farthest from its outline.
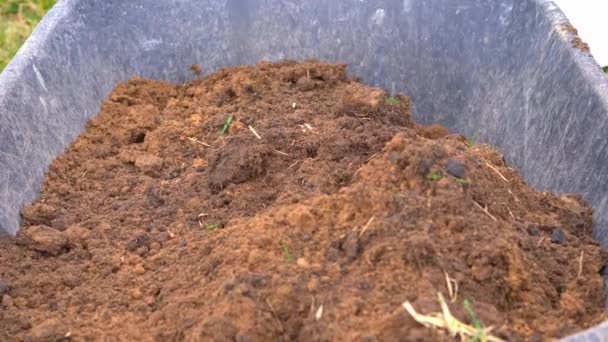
(138, 241)
(456, 168)
(534, 231)
(558, 236)
(4, 287)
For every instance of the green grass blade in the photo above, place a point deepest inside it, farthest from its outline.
(473, 138)
(392, 100)
(288, 256)
(434, 176)
(226, 125)
(475, 322)
(212, 227)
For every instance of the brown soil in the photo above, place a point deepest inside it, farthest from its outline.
(577, 41)
(154, 226)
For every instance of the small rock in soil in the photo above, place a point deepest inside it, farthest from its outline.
(456, 168)
(534, 231)
(139, 241)
(4, 287)
(45, 239)
(558, 236)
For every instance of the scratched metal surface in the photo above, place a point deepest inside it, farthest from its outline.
(505, 68)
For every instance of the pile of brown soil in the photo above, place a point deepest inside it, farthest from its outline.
(155, 226)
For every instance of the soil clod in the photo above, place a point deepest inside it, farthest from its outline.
(45, 239)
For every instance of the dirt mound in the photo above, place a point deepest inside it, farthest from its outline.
(287, 202)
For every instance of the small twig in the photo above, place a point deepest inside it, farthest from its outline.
(452, 290)
(511, 213)
(372, 157)
(308, 126)
(445, 320)
(498, 172)
(485, 210)
(283, 153)
(198, 142)
(514, 197)
(540, 242)
(580, 264)
(367, 225)
(255, 132)
(319, 313)
(292, 165)
(200, 219)
(274, 315)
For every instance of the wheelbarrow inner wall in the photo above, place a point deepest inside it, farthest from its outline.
(503, 68)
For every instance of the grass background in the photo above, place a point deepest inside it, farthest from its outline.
(18, 18)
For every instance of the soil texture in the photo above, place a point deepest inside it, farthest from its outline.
(285, 201)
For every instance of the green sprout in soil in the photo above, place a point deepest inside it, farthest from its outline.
(226, 125)
(471, 141)
(434, 176)
(392, 100)
(481, 333)
(288, 255)
(461, 181)
(212, 227)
